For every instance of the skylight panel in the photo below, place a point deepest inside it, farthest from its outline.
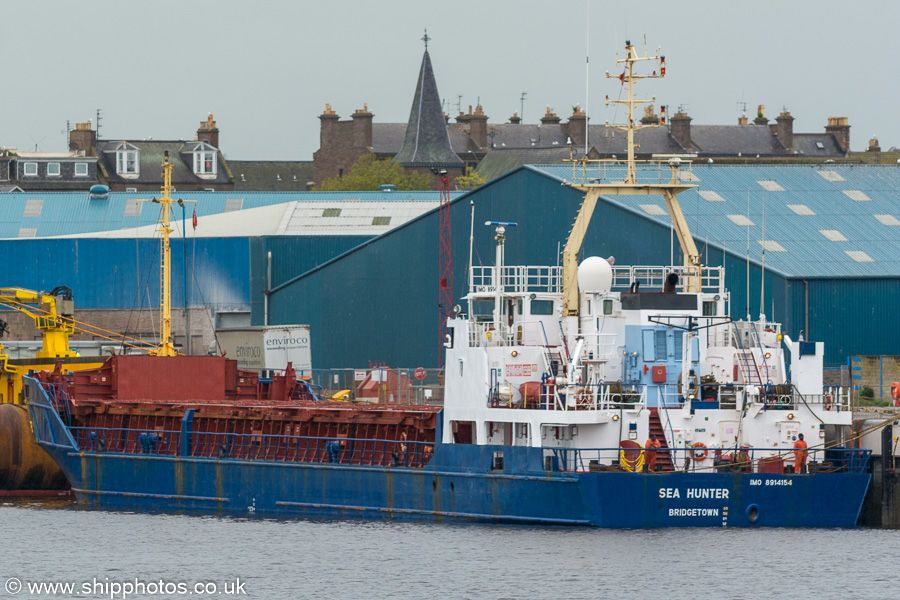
(833, 234)
(887, 219)
(33, 207)
(857, 195)
(711, 196)
(654, 209)
(27, 232)
(381, 221)
(831, 176)
(802, 209)
(771, 186)
(331, 212)
(233, 204)
(133, 207)
(740, 220)
(859, 256)
(772, 246)
(820, 145)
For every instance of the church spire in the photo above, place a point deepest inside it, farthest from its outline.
(427, 143)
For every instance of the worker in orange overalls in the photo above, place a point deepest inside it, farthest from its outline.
(800, 454)
(650, 454)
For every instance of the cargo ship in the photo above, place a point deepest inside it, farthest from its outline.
(588, 394)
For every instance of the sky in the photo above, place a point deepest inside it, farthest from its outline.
(266, 69)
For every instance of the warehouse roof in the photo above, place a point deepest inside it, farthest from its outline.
(822, 220)
(27, 215)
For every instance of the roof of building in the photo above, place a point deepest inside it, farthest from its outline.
(822, 220)
(426, 142)
(735, 140)
(503, 160)
(151, 153)
(271, 175)
(29, 214)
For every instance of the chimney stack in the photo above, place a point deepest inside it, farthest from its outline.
(208, 132)
(761, 115)
(680, 128)
(575, 126)
(362, 127)
(784, 128)
(478, 126)
(515, 119)
(326, 128)
(873, 145)
(549, 118)
(840, 128)
(83, 138)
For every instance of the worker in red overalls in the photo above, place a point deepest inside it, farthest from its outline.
(650, 454)
(800, 454)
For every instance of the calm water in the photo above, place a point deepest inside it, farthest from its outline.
(56, 541)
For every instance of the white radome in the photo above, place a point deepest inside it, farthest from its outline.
(595, 275)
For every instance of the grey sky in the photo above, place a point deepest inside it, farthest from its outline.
(265, 69)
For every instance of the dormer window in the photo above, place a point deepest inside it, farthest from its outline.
(127, 160)
(205, 160)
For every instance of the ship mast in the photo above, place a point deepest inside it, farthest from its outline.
(607, 177)
(166, 347)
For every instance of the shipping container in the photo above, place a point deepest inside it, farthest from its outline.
(264, 349)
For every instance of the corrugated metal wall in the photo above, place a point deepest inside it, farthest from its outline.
(124, 273)
(291, 256)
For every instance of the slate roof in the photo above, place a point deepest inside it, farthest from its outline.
(271, 175)
(806, 145)
(426, 142)
(151, 158)
(730, 140)
(503, 160)
(821, 221)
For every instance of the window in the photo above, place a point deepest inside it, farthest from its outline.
(81, 169)
(127, 161)
(381, 221)
(607, 307)
(709, 308)
(542, 307)
(53, 169)
(331, 212)
(29, 169)
(483, 310)
(205, 162)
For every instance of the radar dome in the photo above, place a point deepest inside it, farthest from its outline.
(595, 275)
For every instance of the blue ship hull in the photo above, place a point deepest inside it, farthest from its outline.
(459, 483)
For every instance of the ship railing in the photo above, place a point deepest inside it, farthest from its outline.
(518, 279)
(263, 447)
(599, 347)
(653, 278)
(761, 461)
(379, 384)
(602, 396)
(646, 172)
(774, 397)
(521, 333)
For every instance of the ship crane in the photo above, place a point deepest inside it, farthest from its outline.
(649, 178)
(52, 313)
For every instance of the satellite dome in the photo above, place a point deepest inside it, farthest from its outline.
(595, 275)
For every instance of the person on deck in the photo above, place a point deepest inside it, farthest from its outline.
(333, 450)
(800, 454)
(650, 454)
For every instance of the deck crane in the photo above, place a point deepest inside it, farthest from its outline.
(52, 313)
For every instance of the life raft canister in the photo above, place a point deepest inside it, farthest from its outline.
(698, 451)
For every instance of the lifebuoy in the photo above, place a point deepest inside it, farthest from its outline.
(698, 451)
(584, 397)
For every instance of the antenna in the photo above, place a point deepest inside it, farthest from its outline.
(522, 109)
(587, 75)
(99, 118)
(762, 282)
(459, 103)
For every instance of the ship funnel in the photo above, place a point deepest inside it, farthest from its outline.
(595, 275)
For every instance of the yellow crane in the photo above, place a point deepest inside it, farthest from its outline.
(53, 315)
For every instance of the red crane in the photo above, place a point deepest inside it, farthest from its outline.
(445, 306)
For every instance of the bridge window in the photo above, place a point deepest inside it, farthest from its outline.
(542, 307)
